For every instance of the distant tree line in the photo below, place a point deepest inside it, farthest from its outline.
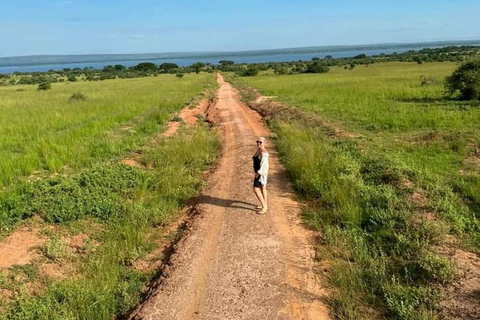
(315, 65)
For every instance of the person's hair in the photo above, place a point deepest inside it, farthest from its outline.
(262, 139)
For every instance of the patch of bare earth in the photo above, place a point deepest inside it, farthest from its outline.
(132, 163)
(188, 115)
(19, 247)
(474, 161)
(462, 299)
(232, 263)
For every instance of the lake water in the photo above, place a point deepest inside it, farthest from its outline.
(238, 58)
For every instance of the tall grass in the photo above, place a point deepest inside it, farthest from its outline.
(46, 131)
(129, 203)
(406, 141)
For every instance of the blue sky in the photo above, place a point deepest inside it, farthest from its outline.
(30, 27)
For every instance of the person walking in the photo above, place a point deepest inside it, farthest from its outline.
(260, 167)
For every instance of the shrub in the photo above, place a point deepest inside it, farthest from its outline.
(317, 67)
(179, 75)
(77, 96)
(44, 86)
(425, 80)
(55, 249)
(250, 71)
(465, 81)
(280, 70)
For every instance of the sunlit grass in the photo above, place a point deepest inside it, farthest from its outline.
(46, 130)
(130, 205)
(404, 141)
(378, 97)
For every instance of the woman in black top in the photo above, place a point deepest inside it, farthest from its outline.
(260, 167)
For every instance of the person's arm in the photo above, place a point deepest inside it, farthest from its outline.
(264, 164)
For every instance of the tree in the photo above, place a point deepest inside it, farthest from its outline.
(71, 77)
(119, 67)
(167, 66)
(316, 67)
(226, 62)
(280, 70)
(465, 81)
(315, 58)
(197, 66)
(250, 71)
(328, 57)
(417, 59)
(145, 66)
(109, 68)
(360, 56)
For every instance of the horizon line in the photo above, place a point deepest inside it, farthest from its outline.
(247, 51)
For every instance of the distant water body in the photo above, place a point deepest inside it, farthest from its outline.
(214, 59)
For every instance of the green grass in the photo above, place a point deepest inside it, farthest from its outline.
(404, 138)
(129, 204)
(61, 170)
(43, 132)
(381, 97)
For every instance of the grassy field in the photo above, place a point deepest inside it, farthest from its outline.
(49, 131)
(118, 213)
(399, 180)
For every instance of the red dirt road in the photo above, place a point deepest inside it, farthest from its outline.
(233, 263)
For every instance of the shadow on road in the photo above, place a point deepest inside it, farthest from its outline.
(227, 203)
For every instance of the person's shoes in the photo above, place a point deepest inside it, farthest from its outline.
(262, 211)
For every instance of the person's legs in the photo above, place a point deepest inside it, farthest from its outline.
(264, 194)
(259, 195)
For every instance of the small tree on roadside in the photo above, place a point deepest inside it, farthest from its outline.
(465, 81)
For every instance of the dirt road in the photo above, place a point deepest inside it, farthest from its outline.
(233, 263)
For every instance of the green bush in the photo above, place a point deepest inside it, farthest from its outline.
(44, 86)
(72, 78)
(78, 96)
(251, 71)
(465, 81)
(317, 67)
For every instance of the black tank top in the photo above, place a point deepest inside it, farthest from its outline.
(256, 162)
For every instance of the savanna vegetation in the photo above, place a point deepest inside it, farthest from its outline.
(63, 173)
(388, 167)
(385, 156)
(316, 65)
